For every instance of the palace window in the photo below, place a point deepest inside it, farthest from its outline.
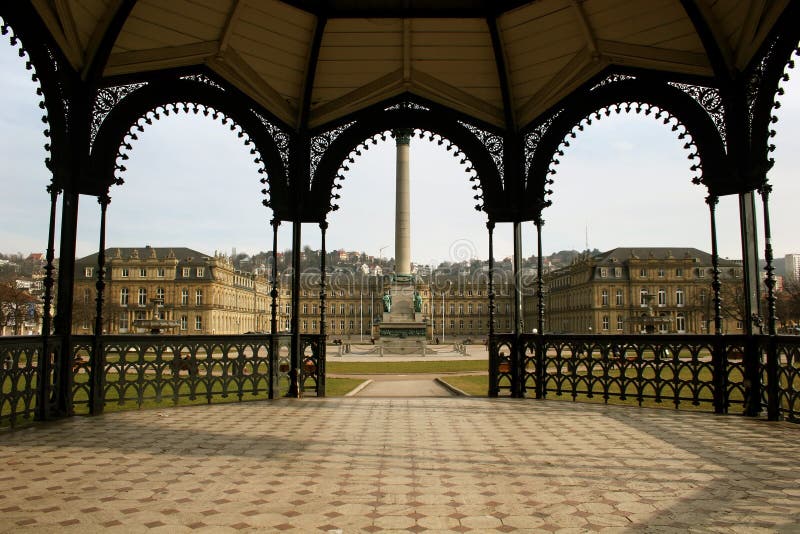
(619, 322)
(642, 273)
(620, 301)
(305, 326)
(469, 309)
(185, 296)
(643, 297)
(184, 322)
(87, 295)
(605, 322)
(452, 324)
(305, 309)
(701, 272)
(352, 325)
(352, 309)
(314, 325)
(125, 273)
(142, 272)
(452, 309)
(88, 272)
(603, 272)
(461, 309)
(480, 309)
(142, 296)
(661, 272)
(123, 322)
(662, 297)
(679, 297)
(341, 325)
(160, 294)
(186, 272)
(160, 272)
(198, 297)
(314, 309)
(617, 272)
(604, 297)
(680, 323)
(200, 272)
(461, 324)
(123, 296)
(333, 309)
(679, 272)
(198, 322)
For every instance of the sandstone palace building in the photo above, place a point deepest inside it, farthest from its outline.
(636, 290)
(624, 290)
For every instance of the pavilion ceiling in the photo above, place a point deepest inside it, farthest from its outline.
(311, 62)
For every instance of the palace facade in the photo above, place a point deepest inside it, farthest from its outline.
(643, 289)
(207, 295)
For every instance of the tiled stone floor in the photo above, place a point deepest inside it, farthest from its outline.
(419, 465)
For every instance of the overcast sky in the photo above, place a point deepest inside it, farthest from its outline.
(625, 181)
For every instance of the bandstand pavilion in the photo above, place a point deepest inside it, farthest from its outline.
(308, 85)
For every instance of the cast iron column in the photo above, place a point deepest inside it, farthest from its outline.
(752, 359)
(517, 386)
(719, 356)
(402, 216)
(63, 320)
(98, 366)
(44, 379)
(321, 347)
(540, 348)
(297, 348)
(493, 357)
(773, 402)
(273, 322)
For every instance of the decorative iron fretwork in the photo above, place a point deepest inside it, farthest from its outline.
(612, 78)
(403, 106)
(494, 146)
(320, 144)
(776, 104)
(171, 369)
(104, 101)
(202, 78)
(312, 367)
(280, 137)
(533, 138)
(710, 100)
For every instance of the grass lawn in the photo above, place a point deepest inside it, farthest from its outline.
(366, 368)
(339, 387)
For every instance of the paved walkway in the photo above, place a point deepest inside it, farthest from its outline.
(412, 386)
(418, 465)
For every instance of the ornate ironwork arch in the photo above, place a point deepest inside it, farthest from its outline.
(763, 92)
(43, 63)
(138, 107)
(668, 103)
(425, 123)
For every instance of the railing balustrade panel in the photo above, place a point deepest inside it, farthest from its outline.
(788, 377)
(19, 377)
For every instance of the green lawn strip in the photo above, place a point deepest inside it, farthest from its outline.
(367, 368)
(475, 385)
(339, 387)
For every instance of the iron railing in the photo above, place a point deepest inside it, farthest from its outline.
(719, 373)
(20, 358)
(140, 370)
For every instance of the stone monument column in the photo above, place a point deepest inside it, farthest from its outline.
(402, 216)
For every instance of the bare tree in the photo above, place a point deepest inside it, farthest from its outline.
(16, 305)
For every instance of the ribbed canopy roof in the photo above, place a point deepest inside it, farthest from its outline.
(503, 62)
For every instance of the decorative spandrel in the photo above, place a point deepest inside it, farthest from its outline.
(403, 106)
(320, 144)
(533, 138)
(710, 100)
(612, 78)
(280, 138)
(104, 101)
(494, 146)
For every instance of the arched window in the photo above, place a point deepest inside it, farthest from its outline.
(679, 300)
(662, 297)
(643, 297)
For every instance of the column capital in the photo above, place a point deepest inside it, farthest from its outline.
(403, 135)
